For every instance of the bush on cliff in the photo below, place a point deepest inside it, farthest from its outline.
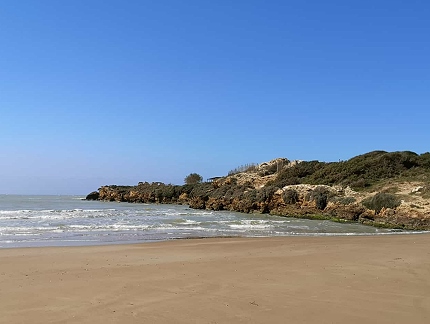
(425, 160)
(343, 200)
(282, 182)
(231, 190)
(170, 192)
(236, 192)
(201, 190)
(370, 168)
(320, 196)
(381, 200)
(296, 174)
(266, 193)
(250, 195)
(193, 178)
(290, 196)
(359, 172)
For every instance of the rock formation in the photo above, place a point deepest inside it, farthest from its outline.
(399, 204)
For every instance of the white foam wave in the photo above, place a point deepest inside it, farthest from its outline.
(303, 227)
(250, 226)
(12, 212)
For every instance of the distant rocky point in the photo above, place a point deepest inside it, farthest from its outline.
(388, 189)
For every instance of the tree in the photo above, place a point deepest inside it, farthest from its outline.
(193, 178)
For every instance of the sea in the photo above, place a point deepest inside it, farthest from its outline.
(35, 221)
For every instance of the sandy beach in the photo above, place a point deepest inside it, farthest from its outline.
(361, 279)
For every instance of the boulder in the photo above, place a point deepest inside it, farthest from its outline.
(93, 196)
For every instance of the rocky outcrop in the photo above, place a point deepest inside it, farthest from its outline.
(281, 187)
(304, 201)
(93, 196)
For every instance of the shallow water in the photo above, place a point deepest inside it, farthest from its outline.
(68, 220)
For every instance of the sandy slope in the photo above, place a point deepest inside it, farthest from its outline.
(383, 279)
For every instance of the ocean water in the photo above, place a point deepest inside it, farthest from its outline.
(27, 221)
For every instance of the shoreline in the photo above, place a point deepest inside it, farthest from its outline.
(311, 214)
(354, 279)
(100, 244)
(67, 222)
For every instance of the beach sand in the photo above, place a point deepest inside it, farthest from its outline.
(360, 279)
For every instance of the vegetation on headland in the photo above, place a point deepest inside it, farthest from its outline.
(193, 178)
(377, 188)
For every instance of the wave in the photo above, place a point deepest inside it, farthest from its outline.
(54, 213)
(250, 226)
(57, 221)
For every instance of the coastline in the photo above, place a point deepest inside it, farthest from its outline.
(354, 279)
(62, 221)
(407, 210)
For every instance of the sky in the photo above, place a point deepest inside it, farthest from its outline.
(106, 92)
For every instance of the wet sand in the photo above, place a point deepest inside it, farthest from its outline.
(361, 279)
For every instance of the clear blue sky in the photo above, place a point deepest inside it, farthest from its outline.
(117, 92)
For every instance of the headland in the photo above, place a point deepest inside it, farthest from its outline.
(385, 189)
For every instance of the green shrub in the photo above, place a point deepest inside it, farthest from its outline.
(381, 200)
(290, 196)
(281, 183)
(265, 194)
(169, 192)
(201, 190)
(343, 200)
(220, 192)
(186, 189)
(425, 160)
(296, 174)
(250, 195)
(359, 172)
(359, 184)
(193, 178)
(320, 195)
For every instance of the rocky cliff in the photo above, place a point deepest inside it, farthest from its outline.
(399, 198)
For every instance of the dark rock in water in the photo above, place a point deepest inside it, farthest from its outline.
(93, 196)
